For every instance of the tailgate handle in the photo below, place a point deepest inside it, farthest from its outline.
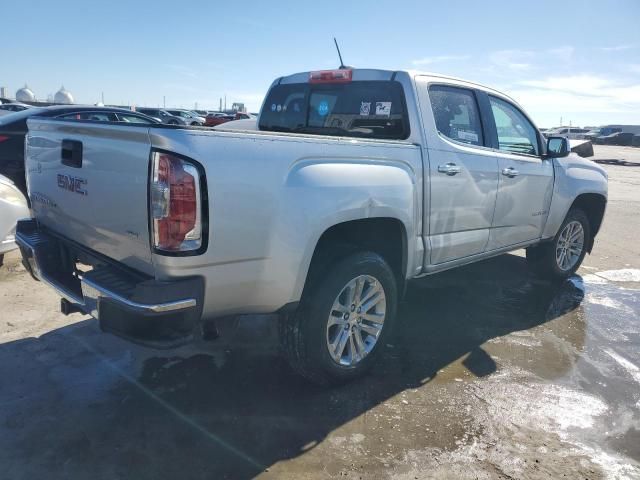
(72, 153)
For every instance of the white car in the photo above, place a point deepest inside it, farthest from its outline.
(13, 206)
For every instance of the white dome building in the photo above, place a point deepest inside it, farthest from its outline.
(63, 96)
(25, 95)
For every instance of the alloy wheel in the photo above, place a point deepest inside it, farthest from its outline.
(356, 320)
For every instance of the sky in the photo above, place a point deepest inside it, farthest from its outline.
(575, 61)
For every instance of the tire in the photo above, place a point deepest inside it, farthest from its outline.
(1, 259)
(306, 335)
(544, 260)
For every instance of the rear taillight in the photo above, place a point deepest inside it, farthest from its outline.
(175, 204)
(3, 138)
(331, 76)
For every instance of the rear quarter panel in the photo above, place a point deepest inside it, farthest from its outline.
(272, 196)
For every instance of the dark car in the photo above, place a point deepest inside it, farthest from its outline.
(619, 138)
(597, 133)
(7, 108)
(13, 128)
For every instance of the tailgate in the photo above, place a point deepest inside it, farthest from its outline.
(88, 182)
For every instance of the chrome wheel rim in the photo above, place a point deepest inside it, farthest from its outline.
(356, 320)
(570, 245)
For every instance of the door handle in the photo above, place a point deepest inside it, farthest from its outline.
(510, 172)
(449, 168)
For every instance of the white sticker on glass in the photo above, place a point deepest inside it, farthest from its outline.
(383, 108)
(468, 136)
(365, 108)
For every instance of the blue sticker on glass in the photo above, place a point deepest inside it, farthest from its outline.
(323, 108)
(273, 107)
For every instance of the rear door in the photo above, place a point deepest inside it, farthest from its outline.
(526, 180)
(88, 182)
(463, 172)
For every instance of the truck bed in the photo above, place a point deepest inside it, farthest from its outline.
(257, 183)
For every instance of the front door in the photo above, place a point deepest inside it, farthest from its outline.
(526, 180)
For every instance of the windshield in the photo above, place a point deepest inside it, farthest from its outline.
(371, 109)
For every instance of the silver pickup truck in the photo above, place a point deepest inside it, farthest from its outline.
(355, 182)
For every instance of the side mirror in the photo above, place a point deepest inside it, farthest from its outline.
(558, 147)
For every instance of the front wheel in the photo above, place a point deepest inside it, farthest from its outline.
(343, 320)
(561, 257)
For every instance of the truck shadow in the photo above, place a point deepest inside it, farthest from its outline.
(80, 404)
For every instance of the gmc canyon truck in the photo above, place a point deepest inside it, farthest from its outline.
(356, 182)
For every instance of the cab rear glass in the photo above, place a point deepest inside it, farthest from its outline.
(367, 109)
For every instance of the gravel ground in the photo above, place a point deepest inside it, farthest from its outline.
(492, 374)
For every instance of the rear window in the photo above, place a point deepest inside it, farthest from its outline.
(369, 109)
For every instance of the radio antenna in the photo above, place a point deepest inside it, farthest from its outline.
(342, 66)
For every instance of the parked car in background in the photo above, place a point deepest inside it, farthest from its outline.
(571, 133)
(7, 108)
(219, 118)
(189, 118)
(601, 132)
(243, 124)
(619, 138)
(321, 217)
(201, 113)
(13, 207)
(214, 119)
(13, 128)
(161, 115)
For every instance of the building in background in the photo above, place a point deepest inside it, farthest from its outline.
(63, 97)
(25, 95)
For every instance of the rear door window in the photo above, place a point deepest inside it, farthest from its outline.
(456, 114)
(369, 109)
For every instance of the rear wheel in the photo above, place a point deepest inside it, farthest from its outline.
(1, 259)
(561, 257)
(340, 327)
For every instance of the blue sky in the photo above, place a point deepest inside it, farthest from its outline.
(579, 60)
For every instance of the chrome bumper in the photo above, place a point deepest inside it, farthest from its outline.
(126, 303)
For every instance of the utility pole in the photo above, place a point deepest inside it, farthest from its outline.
(220, 109)
(164, 101)
(225, 102)
(560, 121)
(102, 96)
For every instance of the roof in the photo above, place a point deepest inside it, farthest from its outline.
(381, 74)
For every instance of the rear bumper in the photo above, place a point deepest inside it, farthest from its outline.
(126, 303)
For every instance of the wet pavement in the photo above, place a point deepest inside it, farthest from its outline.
(490, 373)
